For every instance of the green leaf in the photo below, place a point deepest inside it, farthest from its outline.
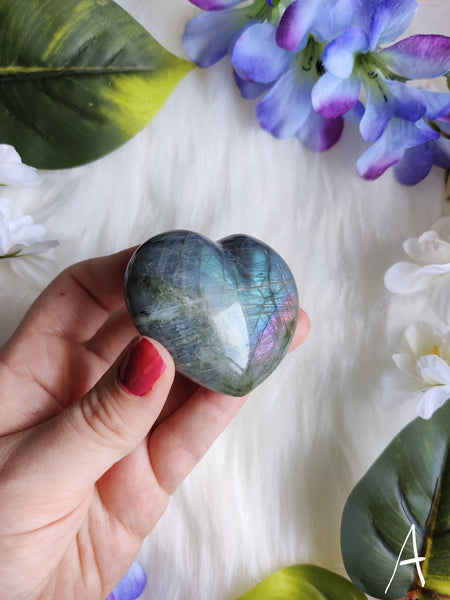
(78, 78)
(304, 582)
(408, 485)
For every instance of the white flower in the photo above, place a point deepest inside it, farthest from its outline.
(12, 170)
(423, 369)
(19, 234)
(430, 269)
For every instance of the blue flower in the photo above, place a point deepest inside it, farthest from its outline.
(352, 61)
(417, 161)
(412, 147)
(390, 148)
(286, 109)
(309, 60)
(131, 586)
(209, 36)
(303, 18)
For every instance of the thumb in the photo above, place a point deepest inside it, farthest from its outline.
(79, 445)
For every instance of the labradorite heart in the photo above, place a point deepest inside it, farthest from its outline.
(226, 311)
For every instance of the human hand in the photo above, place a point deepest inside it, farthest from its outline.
(91, 445)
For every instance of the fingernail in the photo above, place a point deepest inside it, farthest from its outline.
(141, 367)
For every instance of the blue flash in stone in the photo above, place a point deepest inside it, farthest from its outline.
(226, 310)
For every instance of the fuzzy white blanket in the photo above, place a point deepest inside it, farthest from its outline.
(271, 491)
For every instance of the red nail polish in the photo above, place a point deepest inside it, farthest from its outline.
(141, 367)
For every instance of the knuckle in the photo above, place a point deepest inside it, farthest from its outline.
(105, 418)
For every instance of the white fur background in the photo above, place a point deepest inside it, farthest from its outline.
(271, 490)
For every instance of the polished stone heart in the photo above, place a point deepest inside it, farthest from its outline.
(226, 311)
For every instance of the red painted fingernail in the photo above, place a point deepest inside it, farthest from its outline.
(141, 367)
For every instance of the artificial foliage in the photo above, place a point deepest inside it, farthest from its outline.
(304, 582)
(408, 485)
(78, 78)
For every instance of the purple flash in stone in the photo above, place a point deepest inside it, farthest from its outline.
(226, 311)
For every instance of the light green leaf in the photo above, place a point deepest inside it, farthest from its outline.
(304, 582)
(408, 485)
(78, 78)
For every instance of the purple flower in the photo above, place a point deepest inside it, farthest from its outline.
(131, 586)
(390, 148)
(208, 37)
(286, 109)
(256, 56)
(412, 147)
(417, 161)
(352, 60)
(383, 21)
(309, 60)
(301, 19)
(419, 56)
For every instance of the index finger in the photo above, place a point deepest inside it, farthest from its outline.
(80, 299)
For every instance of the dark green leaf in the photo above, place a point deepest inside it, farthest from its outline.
(304, 582)
(408, 485)
(78, 78)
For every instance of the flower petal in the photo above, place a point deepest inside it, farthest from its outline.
(408, 101)
(387, 99)
(19, 233)
(406, 278)
(433, 369)
(433, 399)
(257, 57)
(437, 104)
(215, 4)
(5, 236)
(301, 18)
(379, 111)
(428, 248)
(422, 337)
(348, 13)
(415, 164)
(406, 364)
(390, 147)
(319, 133)
(131, 586)
(9, 209)
(339, 55)
(333, 97)
(419, 56)
(441, 153)
(390, 20)
(288, 104)
(9, 155)
(207, 36)
(355, 114)
(249, 89)
(12, 170)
